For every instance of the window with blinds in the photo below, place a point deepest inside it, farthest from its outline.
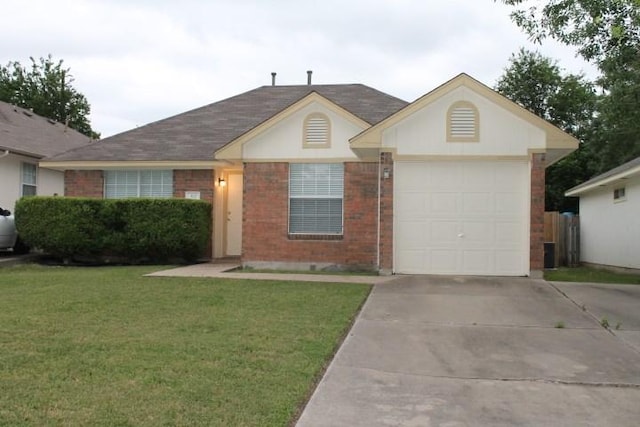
(123, 184)
(317, 131)
(316, 198)
(29, 179)
(462, 122)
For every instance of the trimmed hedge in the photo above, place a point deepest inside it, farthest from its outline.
(136, 230)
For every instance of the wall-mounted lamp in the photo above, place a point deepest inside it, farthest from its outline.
(222, 182)
(386, 173)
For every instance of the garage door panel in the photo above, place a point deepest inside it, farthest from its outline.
(477, 203)
(413, 233)
(479, 233)
(416, 205)
(508, 234)
(506, 263)
(466, 217)
(442, 233)
(508, 203)
(443, 261)
(477, 261)
(444, 203)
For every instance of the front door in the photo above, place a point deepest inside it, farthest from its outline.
(234, 215)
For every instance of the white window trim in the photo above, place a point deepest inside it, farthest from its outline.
(22, 180)
(307, 233)
(617, 198)
(138, 183)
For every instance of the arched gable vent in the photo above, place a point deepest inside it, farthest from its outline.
(463, 122)
(317, 131)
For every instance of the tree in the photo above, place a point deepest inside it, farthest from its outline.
(568, 101)
(606, 33)
(600, 29)
(46, 89)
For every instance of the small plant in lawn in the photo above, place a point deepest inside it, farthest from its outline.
(618, 326)
(604, 323)
(560, 325)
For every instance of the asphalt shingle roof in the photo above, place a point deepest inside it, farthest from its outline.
(615, 171)
(22, 131)
(197, 134)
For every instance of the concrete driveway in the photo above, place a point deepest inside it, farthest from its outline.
(458, 351)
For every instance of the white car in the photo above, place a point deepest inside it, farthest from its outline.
(8, 233)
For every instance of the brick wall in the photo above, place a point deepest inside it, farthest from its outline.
(265, 235)
(83, 183)
(386, 213)
(536, 254)
(193, 180)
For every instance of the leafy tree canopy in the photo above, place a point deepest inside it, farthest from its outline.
(599, 29)
(568, 101)
(46, 89)
(606, 33)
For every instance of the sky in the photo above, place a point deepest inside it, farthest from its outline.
(138, 61)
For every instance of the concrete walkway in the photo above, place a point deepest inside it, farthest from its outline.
(228, 271)
(465, 351)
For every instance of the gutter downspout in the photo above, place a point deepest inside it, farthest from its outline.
(379, 206)
(5, 154)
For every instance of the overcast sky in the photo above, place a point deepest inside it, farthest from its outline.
(138, 61)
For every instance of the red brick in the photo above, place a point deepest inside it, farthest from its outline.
(265, 234)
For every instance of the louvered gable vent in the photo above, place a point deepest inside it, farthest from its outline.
(462, 122)
(317, 131)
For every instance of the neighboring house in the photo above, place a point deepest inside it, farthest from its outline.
(610, 217)
(345, 176)
(25, 138)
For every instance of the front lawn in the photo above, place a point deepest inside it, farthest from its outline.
(588, 274)
(106, 346)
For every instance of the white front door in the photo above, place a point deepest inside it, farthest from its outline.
(461, 217)
(233, 246)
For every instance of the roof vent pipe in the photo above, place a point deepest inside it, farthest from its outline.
(273, 79)
(309, 72)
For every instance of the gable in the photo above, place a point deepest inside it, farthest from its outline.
(463, 122)
(282, 137)
(505, 128)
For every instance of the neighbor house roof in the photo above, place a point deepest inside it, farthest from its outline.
(624, 171)
(24, 132)
(197, 134)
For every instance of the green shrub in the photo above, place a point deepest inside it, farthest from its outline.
(137, 230)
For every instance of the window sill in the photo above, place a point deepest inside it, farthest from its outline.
(321, 237)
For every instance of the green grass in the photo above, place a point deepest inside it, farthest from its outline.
(587, 274)
(106, 346)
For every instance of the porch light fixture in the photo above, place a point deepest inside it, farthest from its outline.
(222, 182)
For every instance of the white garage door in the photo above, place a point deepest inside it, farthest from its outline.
(461, 217)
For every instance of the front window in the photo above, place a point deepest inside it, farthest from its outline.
(124, 184)
(315, 198)
(29, 179)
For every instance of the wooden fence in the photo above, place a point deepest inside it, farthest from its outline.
(563, 233)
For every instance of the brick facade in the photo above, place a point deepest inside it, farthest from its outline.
(386, 213)
(536, 233)
(265, 235)
(84, 183)
(193, 180)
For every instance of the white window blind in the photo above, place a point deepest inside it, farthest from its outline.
(316, 198)
(122, 184)
(29, 179)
